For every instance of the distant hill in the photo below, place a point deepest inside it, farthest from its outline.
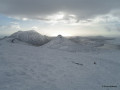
(31, 37)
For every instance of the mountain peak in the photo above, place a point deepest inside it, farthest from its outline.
(60, 36)
(30, 36)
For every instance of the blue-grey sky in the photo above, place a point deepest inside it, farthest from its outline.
(66, 17)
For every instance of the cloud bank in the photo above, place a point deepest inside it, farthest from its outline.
(41, 9)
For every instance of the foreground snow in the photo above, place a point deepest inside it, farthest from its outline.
(26, 67)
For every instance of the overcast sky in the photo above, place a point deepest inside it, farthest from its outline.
(66, 17)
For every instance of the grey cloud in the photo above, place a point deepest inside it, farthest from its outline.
(34, 8)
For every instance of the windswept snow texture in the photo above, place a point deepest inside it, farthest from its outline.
(90, 41)
(31, 37)
(66, 44)
(25, 67)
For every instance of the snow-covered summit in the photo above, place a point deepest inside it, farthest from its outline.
(66, 44)
(59, 42)
(30, 36)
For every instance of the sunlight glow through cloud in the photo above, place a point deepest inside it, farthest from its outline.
(58, 16)
(66, 17)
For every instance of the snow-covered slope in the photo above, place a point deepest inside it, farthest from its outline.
(89, 41)
(113, 43)
(66, 44)
(31, 37)
(59, 42)
(24, 67)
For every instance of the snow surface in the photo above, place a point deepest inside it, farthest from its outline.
(54, 67)
(66, 44)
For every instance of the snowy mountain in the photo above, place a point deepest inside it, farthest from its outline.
(89, 41)
(26, 67)
(59, 42)
(66, 44)
(31, 37)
